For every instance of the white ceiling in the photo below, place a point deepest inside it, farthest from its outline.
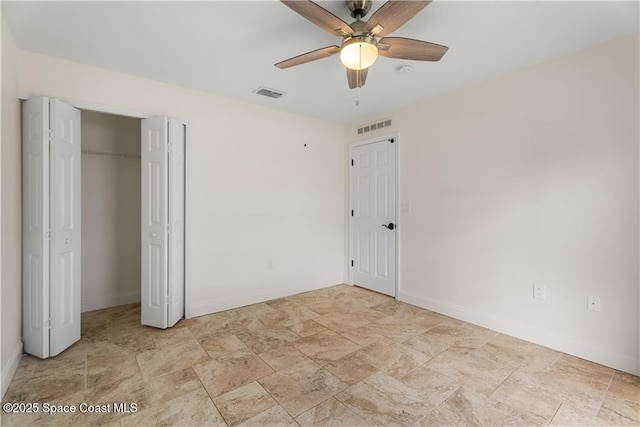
(229, 47)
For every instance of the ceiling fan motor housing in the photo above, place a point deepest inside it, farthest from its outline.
(358, 8)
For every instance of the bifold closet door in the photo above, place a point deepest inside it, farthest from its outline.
(176, 221)
(162, 222)
(51, 226)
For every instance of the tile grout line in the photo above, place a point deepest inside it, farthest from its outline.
(445, 399)
(604, 395)
(86, 372)
(519, 410)
(503, 381)
(555, 413)
(274, 399)
(207, 391)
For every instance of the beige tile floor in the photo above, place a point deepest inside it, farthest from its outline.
(340, 356)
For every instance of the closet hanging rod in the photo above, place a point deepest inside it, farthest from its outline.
(109, 154)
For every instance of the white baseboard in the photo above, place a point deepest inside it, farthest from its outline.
(235, 301)
(9, 370)
(98, 303)
(565, 344)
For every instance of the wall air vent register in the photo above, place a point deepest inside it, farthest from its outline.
(374, 126)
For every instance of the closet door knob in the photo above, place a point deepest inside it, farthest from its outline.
(67, 240)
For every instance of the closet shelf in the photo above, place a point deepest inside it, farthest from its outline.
(109, 154)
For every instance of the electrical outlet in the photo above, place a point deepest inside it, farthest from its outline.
(593, 303)
(539, 292)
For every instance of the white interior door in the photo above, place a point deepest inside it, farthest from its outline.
(176, 220)
(35, 226)
(163, 221)
(373, 216)
(65, 226)
(51, 226)
(155, 225)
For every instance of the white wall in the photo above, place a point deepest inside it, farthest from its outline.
(111, 206)
(256, 193)
(530, 178)
(11, 213)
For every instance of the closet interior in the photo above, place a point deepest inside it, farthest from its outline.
(111, 210)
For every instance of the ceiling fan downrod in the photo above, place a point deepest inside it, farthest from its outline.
(358, 8)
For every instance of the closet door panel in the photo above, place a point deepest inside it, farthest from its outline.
(65, 219)
(154, 221)
(176, 220)
(35, 226)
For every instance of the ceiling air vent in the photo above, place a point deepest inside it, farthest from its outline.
(374, 126)
(271, 93)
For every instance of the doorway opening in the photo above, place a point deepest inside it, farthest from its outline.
(111, 210)
(134, 214)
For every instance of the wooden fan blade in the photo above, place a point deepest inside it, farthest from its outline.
(308, 57)
(319, 16)
(356, 78)
(417, 50)
(393, 15)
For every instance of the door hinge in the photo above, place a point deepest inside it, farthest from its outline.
(351, 162)
(48, 235)
(168, 228)
(50, 134)
(48, 323)
(169, 147)
(351, 263)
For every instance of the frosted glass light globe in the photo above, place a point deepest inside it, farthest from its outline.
(358, 53)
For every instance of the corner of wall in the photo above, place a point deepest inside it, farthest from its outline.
(9, 368)
(11, 213)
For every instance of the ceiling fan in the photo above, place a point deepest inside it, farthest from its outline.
(363, 41)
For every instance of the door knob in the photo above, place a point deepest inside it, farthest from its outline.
(390, 226)
(67, 240)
